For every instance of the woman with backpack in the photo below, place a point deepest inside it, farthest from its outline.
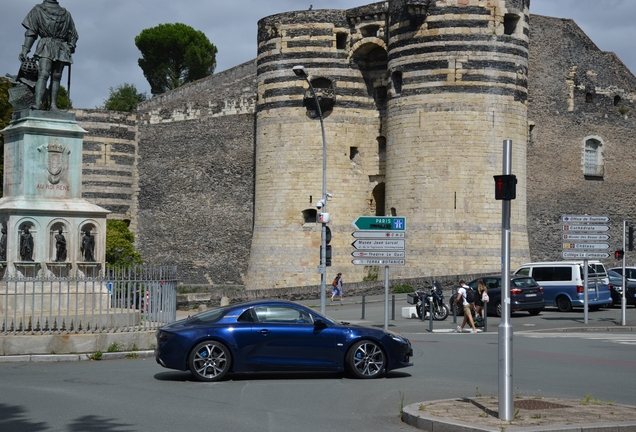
(337, 287)
(480, 298)
(462, 296)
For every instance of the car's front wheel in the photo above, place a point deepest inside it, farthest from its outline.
(366, 359)
(534, 312)
(210, 361)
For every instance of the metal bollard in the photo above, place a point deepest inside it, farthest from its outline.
(364, 297)
(452, 299)
(393, 307)
(485, 316)
(430, 314)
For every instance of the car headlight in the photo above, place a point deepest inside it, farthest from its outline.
(396, 337)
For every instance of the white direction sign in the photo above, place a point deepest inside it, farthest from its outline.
(588, 246)
(585, 255)
(587, 237)
(379, 244)
(377, 254)
(375, 262)
(585, 219)
(378, 234)
(585, 228)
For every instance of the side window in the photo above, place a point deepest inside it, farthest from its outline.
(631, 273)
(492, 283)
(523, 271)
(247, 316)
(562, 274)
(282, 315)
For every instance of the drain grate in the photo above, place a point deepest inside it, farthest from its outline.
(536, 404)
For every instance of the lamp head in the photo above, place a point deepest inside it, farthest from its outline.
(300, 71)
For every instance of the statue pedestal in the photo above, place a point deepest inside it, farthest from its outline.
(59, 270)
(43, 194)
(88, 270)
(27, 269)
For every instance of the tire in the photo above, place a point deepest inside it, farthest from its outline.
(418, 309)
(366, 359)
(210, 361)
(534, 312)
(563, 304)
(498, 309)
(441, 313)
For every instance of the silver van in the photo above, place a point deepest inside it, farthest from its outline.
(563, 281)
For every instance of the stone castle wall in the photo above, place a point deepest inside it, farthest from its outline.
(196, 169)
(577, 92)
(229, 167)
(109, 162)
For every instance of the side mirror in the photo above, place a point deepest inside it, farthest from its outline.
(320, 324)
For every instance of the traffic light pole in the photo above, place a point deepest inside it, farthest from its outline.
(506, 403)
(623, 298)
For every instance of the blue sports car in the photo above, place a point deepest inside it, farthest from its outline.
(276, 335)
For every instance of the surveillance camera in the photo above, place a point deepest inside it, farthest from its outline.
(319, 204)
(329, 196)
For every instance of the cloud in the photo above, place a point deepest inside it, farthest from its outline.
(107, 56)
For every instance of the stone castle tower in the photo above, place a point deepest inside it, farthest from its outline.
(418, 96)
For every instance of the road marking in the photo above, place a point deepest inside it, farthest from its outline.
(619, 338)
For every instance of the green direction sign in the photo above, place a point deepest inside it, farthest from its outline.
(385, 223)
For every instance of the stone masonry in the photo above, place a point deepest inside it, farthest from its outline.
(420, 95)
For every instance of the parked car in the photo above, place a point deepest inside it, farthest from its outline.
(525, 294)
(276, 335)
(630, 272)
(563, 282)
(616, 289)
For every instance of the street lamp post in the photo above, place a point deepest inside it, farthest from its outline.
(322, 269)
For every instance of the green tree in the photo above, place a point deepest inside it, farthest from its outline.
(173, 55)
(123, 98)
(120, 250)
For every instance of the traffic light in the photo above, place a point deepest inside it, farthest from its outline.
(328, 251)
(630, 244)
(619, 254)
(505, 187)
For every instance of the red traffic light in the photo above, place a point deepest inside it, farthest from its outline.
(619, 254)
(505, 187)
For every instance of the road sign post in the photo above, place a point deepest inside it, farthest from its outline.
(380, 241)
(585, 228)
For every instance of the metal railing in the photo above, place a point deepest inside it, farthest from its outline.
(117, 300)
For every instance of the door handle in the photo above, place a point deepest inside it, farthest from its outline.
(264, 331)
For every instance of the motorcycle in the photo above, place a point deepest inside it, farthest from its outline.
(421, 300)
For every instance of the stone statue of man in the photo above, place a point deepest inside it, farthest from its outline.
(55, 27)
(88, 246)
(60, 246)
(3, 245)
(26, 245)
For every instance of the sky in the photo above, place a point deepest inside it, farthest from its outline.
(106, 55)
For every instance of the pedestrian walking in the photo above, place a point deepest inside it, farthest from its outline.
(337, 287)
(463, 297)
(480, 298)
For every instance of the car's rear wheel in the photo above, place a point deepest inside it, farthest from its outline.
(366, 359)
(498, 309)
(534, 312)
(210, 361)
(563, 304)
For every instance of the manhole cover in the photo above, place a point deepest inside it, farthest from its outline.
(537, 404)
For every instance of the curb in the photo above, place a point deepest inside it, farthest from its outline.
(412, 416)
(52, 358)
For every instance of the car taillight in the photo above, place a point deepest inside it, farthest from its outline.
(515, 291)
(540, 289)
(579, 289)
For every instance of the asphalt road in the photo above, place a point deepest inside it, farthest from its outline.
(139, 395)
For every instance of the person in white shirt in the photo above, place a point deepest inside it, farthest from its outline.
(468, 317)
